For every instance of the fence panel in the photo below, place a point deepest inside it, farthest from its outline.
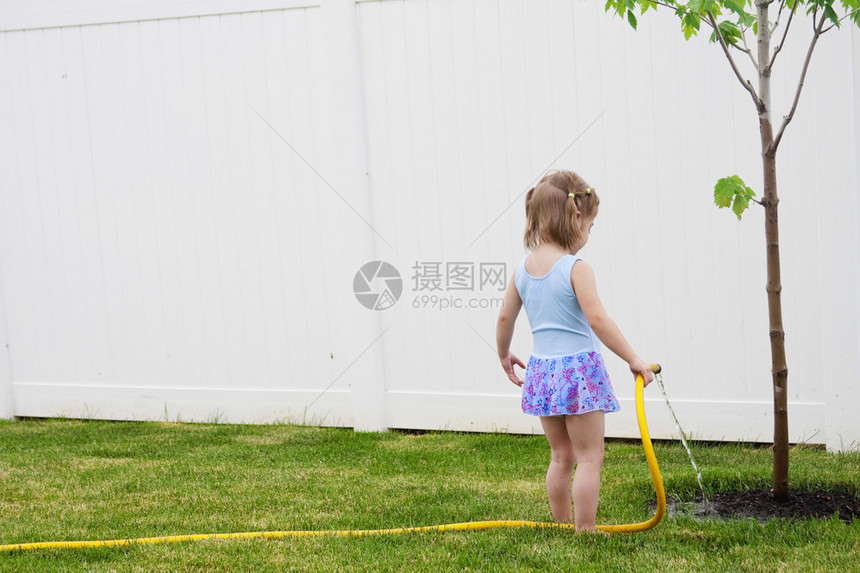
(187, 192)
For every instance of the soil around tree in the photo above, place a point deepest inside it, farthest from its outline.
(761, 506)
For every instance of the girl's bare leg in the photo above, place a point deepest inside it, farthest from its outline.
(561, 463)
(586, 435)
(578, 440)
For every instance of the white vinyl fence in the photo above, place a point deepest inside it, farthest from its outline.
(191, 192)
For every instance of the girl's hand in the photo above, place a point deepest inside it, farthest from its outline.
(637, 367)
(508, 361)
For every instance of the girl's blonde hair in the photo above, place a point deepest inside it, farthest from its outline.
(551, 208)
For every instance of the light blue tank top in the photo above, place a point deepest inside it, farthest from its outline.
(558, 324)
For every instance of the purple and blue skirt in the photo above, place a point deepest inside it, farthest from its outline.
(575, 384)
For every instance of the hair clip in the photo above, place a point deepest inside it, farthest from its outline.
(588, 191)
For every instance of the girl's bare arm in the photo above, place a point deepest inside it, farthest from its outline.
(585, 287)
(505, 332)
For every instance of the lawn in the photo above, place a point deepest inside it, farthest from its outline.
(77, 480)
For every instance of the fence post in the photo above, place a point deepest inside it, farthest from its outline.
(367, 393)
(7, 412)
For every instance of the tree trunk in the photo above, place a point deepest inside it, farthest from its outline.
(779, 368)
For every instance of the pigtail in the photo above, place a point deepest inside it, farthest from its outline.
(530, 237)
(571, 209)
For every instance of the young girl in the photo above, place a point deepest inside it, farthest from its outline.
(566, 382)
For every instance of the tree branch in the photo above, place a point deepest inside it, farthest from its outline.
(779, 15)
(845, 17)
(747, 49)
(712, 24)
(744, 82)
(665, 5)
(778, 48)
(771, 150)
(849, 14)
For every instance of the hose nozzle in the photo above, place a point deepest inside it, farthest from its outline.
(656, 368)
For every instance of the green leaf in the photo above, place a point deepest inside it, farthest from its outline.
(647, 5)
(700, 6)
(730, 32)
(734, 6)
(740, 204)
(620, 6)
(690, 24)
(830, 13)
(747, 20)
(733, 192)
(724, 192)
(631, 18)
(852, 10)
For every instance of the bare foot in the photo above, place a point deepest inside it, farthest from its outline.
(589, 530)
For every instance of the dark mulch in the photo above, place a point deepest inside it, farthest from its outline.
(760, 505)
(800, 505)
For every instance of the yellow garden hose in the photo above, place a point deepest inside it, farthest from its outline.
(468, 526)
(652, 466)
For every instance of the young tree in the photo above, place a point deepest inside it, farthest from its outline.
(731, 22)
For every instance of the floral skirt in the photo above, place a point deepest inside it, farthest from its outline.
(574, 384)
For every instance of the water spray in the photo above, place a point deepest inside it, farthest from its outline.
(658, 376)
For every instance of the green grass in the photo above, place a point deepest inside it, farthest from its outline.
(75, 480)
